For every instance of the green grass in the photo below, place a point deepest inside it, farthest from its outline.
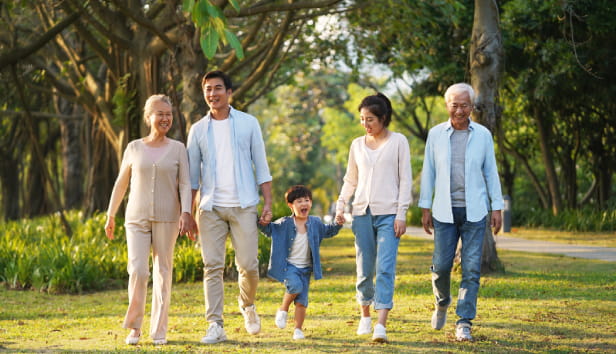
(600, 239)
(543, 303)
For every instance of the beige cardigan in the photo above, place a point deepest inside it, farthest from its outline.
(156, 189)
(383, 185)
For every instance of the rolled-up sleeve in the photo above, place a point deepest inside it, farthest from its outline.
(428, 175)
(259, 156)
(194, 157)
(490, 172)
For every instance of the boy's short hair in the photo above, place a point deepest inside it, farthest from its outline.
(296, 192)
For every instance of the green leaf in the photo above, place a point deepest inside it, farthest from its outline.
(212, 10)
(209, 41)
(201, 15)
(218, 24)
(235, 5)
(235, 44)
(187, 5)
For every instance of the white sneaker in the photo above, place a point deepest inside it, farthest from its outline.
(379, 334)
(298, 334)
(159, 341)
(365, 326)
(281, 319)
(215, 334)
(439, 316)
(252, 322)
(463, 332)
(131, 339)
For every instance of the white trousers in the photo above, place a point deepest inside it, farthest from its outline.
(140, 237)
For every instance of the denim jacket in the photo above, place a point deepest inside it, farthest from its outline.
(283, 232)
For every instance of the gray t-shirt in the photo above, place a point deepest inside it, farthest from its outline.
(458, 141)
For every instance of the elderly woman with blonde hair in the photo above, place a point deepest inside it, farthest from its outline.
(158, 209)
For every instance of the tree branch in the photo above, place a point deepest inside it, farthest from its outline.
(15, 55)
(269, 7)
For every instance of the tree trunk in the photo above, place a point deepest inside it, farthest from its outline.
(548, 161)
(72, 154)
(485, 67)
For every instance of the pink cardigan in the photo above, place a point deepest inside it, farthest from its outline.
(156, 189)
(385, 185)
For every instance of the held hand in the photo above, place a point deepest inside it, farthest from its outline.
(399, 227)
(426, 220)
(187, 226)
(109, 227)
(266, 215)
(496, 221)
(339, 218)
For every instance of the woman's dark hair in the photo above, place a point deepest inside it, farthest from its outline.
(297, 192)
(218, 74)
(379, 105)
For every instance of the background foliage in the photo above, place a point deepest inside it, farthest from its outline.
(37, 254)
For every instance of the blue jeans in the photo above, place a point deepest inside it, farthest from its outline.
(297, 281)
(446, 237)
(376, 250)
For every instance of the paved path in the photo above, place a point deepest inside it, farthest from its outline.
(517, 244)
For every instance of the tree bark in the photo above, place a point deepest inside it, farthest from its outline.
(548, 160)
(486, 69)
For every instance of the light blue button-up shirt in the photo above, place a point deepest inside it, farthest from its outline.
(481, 181)
(249, 159)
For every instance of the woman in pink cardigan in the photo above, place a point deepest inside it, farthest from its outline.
(159, 206)
(379, 177)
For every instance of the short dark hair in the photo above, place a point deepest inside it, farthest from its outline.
(296, 192)
(379, 105)
(218, 74)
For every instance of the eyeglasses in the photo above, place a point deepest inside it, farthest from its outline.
(463, 106)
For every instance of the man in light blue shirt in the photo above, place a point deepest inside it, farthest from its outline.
(227, 161)
(460, 172)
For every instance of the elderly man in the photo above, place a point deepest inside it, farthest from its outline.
(227, 161)
(459, 171)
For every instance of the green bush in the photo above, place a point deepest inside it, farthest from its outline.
(37, 254)
(577, 220)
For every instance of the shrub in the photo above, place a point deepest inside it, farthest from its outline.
(37, 254)
(577, 220)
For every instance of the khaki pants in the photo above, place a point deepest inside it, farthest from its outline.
(214, 227)
(161, 237)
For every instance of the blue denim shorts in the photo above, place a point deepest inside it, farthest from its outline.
(297, 281)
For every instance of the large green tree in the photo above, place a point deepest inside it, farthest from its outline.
(102, 59)
(558, 89)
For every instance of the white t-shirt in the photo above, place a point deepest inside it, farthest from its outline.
(225, 190)
(300, 251)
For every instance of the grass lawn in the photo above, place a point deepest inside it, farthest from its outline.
(542, 303)
(600, 239)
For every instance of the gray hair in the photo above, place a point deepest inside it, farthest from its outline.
(459, 88)
(147, 107)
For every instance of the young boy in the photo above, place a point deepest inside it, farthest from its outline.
(295, 253)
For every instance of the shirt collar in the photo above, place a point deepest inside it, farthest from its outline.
(231, 109)
(471, 124)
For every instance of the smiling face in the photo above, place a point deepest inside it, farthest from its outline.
(371, 123)
(301, 207)
(459, 106)
(216, 94)
(160, 118)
